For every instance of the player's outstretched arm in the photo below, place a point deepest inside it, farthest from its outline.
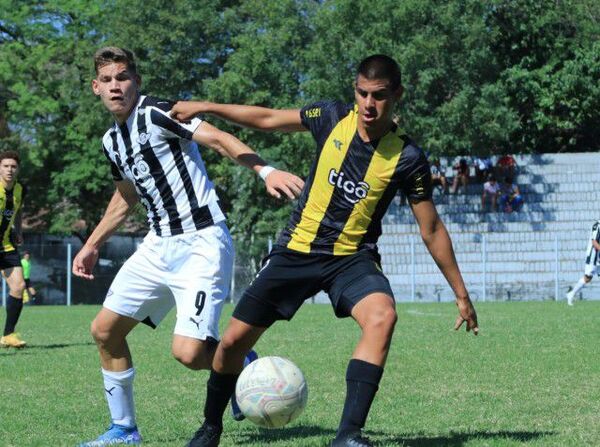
(121, 203)
(260, 118)
(436, 238)
(277, 182)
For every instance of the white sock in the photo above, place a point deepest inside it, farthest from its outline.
(577, 287)
(118, 389)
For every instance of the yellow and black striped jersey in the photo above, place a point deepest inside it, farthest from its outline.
(351, 183)
(10, 204)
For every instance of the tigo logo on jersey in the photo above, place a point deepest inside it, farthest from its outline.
(353, 192)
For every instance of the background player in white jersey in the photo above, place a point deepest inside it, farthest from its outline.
(186, 258)
(591, 262)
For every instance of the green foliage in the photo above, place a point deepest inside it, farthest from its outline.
(506, 75)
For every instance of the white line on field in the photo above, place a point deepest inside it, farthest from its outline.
(423, 314)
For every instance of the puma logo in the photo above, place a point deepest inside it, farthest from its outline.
(197, 323)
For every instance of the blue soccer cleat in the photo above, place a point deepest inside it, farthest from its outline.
(235, 408)
(116, 435)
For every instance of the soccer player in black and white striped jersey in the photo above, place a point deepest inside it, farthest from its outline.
(186, 258)
(591, 262)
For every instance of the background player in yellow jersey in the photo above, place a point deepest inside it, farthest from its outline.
(11, 203)
(363, 159)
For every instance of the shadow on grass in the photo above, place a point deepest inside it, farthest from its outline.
(255, 435)
(57, 346)
(457, 439)
(12, 351)
(266, 436)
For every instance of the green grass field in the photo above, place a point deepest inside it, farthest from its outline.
(532, 378)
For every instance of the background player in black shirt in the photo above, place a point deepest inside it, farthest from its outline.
(329, 244)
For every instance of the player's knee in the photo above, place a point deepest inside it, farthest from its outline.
(382, 320)
(17, 289)
(587, 278)
(232, 343)
(101, 333)
(194, 358)
(191, 360)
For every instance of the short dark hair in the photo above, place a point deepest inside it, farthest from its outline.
(13, 155)
(380, 66)
(110, 55)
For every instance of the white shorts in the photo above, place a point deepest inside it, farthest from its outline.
(590, 270)
(191, 270)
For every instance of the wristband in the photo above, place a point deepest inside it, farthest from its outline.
(265, 170)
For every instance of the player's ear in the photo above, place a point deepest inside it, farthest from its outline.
(398, 93)
(95, 87)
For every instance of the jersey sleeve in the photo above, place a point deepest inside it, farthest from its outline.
(416, 174)
(114, 169)
(171, 128)
(321, 117)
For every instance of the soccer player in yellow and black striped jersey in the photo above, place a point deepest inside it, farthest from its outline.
(11, 203)
(362, 160)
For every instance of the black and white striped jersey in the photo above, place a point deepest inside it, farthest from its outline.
(157, 154)
(591, 254)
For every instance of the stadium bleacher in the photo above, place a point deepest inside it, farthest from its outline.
(560, 192)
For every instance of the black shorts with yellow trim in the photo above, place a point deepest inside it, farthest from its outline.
(288, 278)
(10, 259)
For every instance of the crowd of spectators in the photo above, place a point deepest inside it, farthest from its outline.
(503, 195)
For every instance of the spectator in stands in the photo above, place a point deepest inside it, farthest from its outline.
(510, 196)
(461, 176)
(438, 175)
(506, 166)
(491, 191)
(483, 168)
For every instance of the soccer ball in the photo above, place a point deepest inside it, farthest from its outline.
(271, 392)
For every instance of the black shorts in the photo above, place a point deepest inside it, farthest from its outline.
(28, 282)
(10, 259)
(288, 278)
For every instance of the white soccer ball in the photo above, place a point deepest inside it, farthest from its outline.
(271, 392)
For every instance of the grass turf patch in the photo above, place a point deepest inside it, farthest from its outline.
(532, 378)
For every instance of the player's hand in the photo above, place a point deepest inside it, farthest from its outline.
(466, 313)
(282, 182)
(84, 262)
(186, 110)
(19, 239)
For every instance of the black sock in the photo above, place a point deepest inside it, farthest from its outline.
(362, 382)
(13, 312)
(219, 389)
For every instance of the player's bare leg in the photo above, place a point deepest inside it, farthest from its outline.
(376, 316)
(110, 331)
(193, 353)
(14, 306)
